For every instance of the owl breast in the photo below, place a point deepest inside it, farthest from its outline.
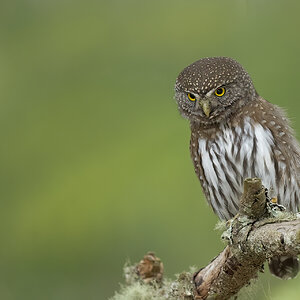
(234, 154)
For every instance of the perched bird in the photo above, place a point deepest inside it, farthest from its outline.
(236, 134)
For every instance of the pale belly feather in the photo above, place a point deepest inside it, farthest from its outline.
(234, 155)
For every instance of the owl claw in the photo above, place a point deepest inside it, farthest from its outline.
(274, 200)
(273, 206)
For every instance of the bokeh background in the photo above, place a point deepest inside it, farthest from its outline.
(94, 164)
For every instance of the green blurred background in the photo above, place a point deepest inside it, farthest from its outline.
(95, 165)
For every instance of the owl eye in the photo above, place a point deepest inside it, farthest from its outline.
(192, 97)
(220, 91)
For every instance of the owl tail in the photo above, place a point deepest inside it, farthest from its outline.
(284, 267)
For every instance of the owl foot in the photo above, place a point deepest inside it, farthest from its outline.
(272, 205)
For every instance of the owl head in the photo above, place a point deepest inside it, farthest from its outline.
(211, 89)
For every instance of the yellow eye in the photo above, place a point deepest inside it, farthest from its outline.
(220, 91)
(192, 97)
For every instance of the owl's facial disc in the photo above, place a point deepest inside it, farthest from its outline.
(200, 107)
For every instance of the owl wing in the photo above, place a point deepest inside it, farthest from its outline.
(286, 152)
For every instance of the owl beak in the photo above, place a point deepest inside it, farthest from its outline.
(205, 104)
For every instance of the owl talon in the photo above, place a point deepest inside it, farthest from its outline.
(274, 200)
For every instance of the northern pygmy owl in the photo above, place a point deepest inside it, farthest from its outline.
(236, 134)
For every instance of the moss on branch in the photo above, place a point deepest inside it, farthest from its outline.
(261, 230)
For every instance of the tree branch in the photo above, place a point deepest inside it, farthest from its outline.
(261, 230)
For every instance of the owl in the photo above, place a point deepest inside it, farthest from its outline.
(236, 134)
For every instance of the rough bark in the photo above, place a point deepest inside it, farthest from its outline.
(261, 230)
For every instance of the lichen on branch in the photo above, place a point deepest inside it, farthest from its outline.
(261, 230)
